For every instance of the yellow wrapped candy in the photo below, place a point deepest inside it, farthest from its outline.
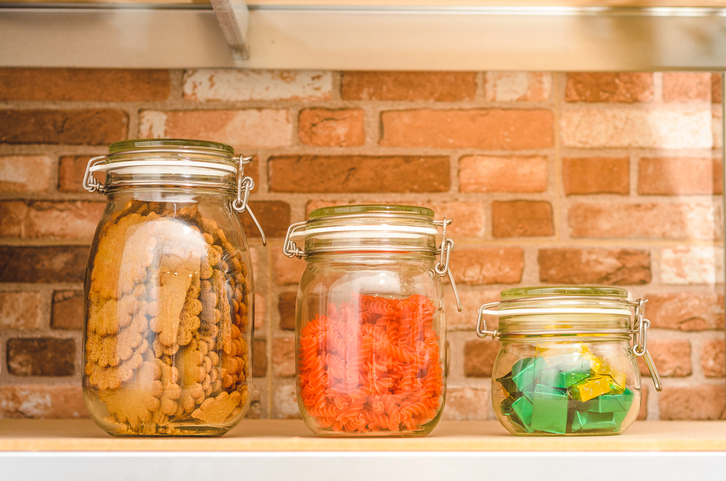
(591, 388)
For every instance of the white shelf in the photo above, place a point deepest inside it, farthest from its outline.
(76, 450)
(370, 37)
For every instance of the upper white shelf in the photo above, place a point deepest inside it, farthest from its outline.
(572, 35)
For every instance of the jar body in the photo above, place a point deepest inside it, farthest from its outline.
(568, 385)
(168, 314)
(370, 344)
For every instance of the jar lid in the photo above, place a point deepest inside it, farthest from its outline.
(154, 160)
(373, 209)
(129, 146)
(545, 291)
(381, 228)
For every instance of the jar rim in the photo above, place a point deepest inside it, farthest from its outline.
(606, 292)
(136, 145)
(371, 209)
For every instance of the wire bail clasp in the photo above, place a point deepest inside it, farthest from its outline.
(442, 267)
(640, 342)
(90, 183)
(244, 186)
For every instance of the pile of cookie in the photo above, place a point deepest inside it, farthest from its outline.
(168, 321)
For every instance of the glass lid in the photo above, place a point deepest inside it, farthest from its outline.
(372, 209)
(130, 146)
(563, 291)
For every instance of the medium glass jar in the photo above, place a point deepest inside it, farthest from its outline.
(169, 295)
(566, 365)
(370, 326)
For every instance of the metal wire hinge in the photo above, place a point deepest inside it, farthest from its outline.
(442, 267)
(244, 186)
(90, 183)
(640, 342)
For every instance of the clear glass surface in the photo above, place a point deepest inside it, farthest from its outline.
(370, 345)
(168, 314)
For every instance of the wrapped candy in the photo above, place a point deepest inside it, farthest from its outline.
(565, 393)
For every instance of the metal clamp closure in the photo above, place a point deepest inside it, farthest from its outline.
(90, 183)
(244, 186)
(442, 267)
(289, 248)
(640, 342)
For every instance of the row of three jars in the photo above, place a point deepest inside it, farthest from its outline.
(169, 308)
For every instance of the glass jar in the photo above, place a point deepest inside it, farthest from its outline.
(566, 365)
(168, 291)
(370, 327)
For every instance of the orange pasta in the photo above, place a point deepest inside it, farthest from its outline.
(372, 364)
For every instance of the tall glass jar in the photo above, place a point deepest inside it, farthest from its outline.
(169, 295)
(566, 365)
(370, 326)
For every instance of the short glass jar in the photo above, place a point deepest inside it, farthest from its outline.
(370, 326)
(566, 365)
(168, 292)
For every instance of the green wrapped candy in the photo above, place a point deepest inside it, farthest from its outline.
(549, 409)
(522, 408)
(525, 371)
(564, 371)
(610, 403)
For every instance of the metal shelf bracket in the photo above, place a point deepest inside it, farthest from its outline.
(233, 17)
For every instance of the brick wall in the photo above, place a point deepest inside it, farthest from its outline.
(551, 178)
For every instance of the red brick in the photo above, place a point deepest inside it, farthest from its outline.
(609, 87)
(679, 176)
(466, 403)
(491, 129)
(38, 401)
(686, 86)
(71, 170)
(517, 86)
(691, 264)
(25, 173)
(596, 175)
(358, 173)
(662, 128)
(283, 357)
(713, 358)
(45, 356)
(241, 85)
(594, 266)
(43, 264)
(67, 312)
(242, 129)
(644, 221)
(107, 85)
(49, 220)
(273, 216)
(672, 357)
(503, 174)
(437, 86)
(488, 265)
(286, 270)
(331, 128)
(693, 402)
(74, 127)
(716, 88)
(479, 356)
(21, 310)
(687, 311)
(286, 303)
(259, 358)
(522, 218)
